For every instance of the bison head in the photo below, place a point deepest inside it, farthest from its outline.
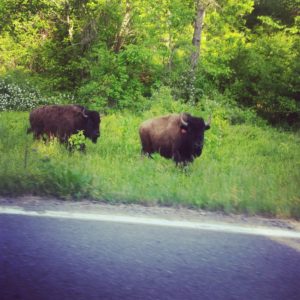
(193, 128)
(92, 124)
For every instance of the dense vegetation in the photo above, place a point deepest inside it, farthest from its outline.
(113, 54)
(238, 60)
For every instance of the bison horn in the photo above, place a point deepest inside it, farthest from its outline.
(83, 113)
(207, 124)
(184, 123)
(208, 121)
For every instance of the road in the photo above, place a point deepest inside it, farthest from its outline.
(45, 256)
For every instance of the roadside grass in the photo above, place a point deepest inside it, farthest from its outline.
(244, 168)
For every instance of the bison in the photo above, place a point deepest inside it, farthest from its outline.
(62, 121)
(177, 136)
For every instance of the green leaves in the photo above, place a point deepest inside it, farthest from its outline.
(114, 54)
(77, 141)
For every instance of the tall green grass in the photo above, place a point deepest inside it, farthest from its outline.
(244, 168)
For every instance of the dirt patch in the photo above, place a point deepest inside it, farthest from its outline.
(41, 204)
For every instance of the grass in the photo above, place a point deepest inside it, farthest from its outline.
(244, 168)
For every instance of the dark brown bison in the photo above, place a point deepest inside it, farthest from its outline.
(62, 121)
(177, 136)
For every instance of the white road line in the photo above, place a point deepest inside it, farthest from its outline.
(264, 231)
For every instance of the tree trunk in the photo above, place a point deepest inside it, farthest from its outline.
(124, 29)
(69, 22)
(170, 40)
(197, 34)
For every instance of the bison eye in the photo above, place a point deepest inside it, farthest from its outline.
(183, 130)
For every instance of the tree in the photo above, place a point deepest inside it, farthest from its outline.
(196, 41)
(124, 28)
(201, 7)
(284, 11)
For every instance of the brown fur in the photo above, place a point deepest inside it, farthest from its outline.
(62, 121)
(168, 136)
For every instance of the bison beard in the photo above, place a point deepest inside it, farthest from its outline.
(177, 137)
(62, 121)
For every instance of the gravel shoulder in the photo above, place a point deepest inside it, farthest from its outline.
(40, 204)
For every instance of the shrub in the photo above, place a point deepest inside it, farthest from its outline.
(23, 96)
(270, 83)
(77, 141)
(118, 81)
(17, 97)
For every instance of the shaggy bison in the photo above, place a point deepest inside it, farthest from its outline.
(62, 121)
(177, 136)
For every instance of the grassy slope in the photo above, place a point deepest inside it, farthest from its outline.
(243, 168)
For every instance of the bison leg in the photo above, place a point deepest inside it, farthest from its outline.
(147, 154)
(146, 146)
(176, 156)
(181, 160)
(39, 136)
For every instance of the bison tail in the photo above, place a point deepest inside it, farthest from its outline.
(29, 130)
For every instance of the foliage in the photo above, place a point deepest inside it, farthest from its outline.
(14, 97)
(77, 141)
(22, 96)
(116, 80)
(283, 10)
(271, 83)
(114, 54)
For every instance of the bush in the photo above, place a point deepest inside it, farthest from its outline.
(23, 96)
(17, 97)
(270, 83)
(118, 81)
(77, 141)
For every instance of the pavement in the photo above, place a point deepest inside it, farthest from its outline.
(81, 250)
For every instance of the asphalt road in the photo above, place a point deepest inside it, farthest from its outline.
(57, 258)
